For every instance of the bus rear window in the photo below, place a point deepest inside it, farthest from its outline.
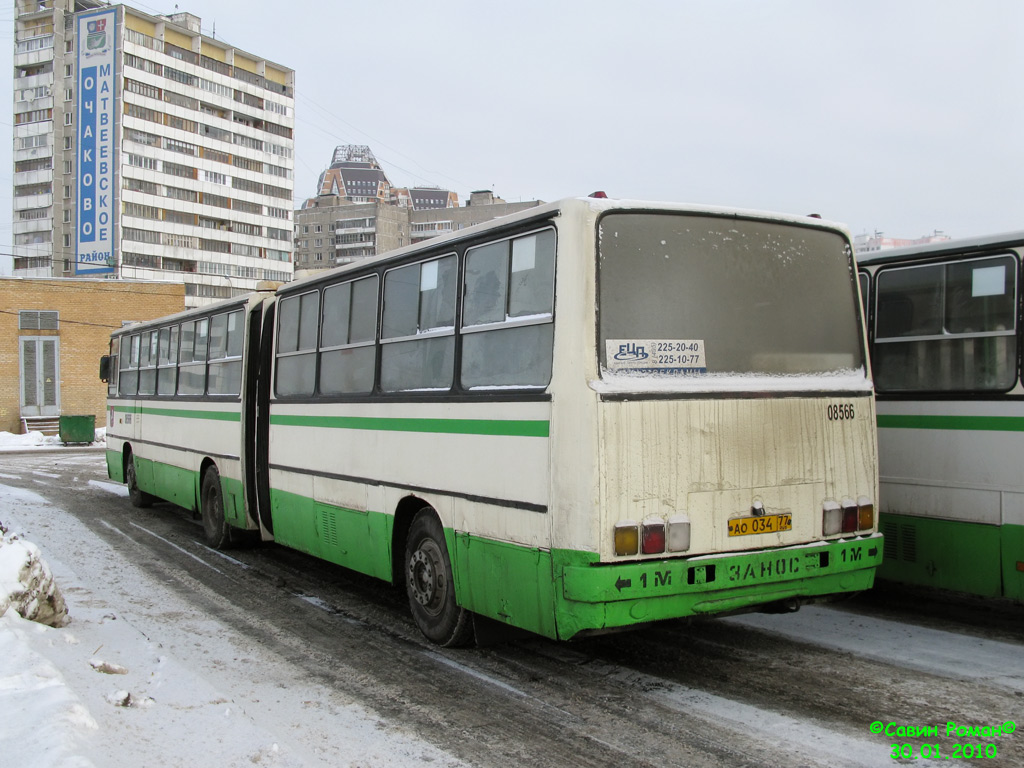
(698, 296)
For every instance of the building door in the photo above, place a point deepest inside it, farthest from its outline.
(40, 384)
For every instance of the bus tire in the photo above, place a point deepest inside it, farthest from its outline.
(215, 526)
(430, 586)
(138, 497)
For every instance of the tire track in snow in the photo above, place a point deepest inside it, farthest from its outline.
(946, 654)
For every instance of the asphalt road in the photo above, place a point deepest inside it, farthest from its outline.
(791, 690)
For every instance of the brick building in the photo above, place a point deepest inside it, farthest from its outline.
(52, 334)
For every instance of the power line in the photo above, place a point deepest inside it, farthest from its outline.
(64, 320)
(305, 99)
(81, 285)
(63, 253)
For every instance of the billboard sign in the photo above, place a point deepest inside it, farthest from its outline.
(94, 241)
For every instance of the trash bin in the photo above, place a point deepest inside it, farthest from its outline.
(77, 429)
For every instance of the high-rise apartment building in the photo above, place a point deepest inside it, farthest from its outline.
(355, 175)
(145, 149)
(357, 213)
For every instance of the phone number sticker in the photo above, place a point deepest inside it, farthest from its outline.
(655, 355)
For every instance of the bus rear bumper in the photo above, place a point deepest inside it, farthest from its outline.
(608, 596)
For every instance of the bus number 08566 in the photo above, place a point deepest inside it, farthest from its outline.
(840, 412)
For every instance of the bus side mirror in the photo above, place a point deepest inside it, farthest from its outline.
(105, 368)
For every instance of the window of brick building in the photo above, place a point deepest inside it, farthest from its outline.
(36, 320)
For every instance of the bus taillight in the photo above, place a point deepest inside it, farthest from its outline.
(848, 517)
(653, 537)
(866, 513)
(831, 519)
(627, 538)
(851, 516)
(678, 537)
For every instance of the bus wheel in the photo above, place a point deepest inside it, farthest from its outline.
(429, 584)
(136, 495)
(215, 527)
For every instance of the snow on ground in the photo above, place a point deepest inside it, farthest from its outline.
(947, 654)
(137, 676)
(36, 440)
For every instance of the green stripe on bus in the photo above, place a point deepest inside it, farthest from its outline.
(979, 423)
(209, 415)
(508, 428)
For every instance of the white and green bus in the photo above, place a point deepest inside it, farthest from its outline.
(582, 417)
(946, 344)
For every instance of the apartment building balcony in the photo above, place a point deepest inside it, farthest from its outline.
(36, 128)
(33, 260)
(43, 80)
(33, 267)
(33, 58)
(42, 176)
(351, 246)
(355, 255)
(419, 237)
(27, 9)
(339, 260)
(33, 201)
(33, 225)
(33, 153)
(426, 230)
(30, 105)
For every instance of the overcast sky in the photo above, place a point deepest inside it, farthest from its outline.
(898, 116)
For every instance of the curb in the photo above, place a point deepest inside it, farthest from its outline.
(48, 450)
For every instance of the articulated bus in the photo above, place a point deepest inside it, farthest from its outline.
(944, 329)
(578, 418)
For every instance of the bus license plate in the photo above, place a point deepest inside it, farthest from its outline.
(745, 526)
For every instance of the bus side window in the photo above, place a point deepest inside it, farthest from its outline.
(113, 370)
(348, 350)
(980, 299)
(296, 344)
(418, 326)
(167, 361)
(864, 286)
(946, 327)
(129, 375)
(225, 377)
(508, 312)
(147, 363)
(192, 365)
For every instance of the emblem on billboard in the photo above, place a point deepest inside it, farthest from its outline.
(97, 34)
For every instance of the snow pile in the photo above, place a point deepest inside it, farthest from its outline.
(26, 583)
(28, 440)
(44, 720)
(32, 440)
